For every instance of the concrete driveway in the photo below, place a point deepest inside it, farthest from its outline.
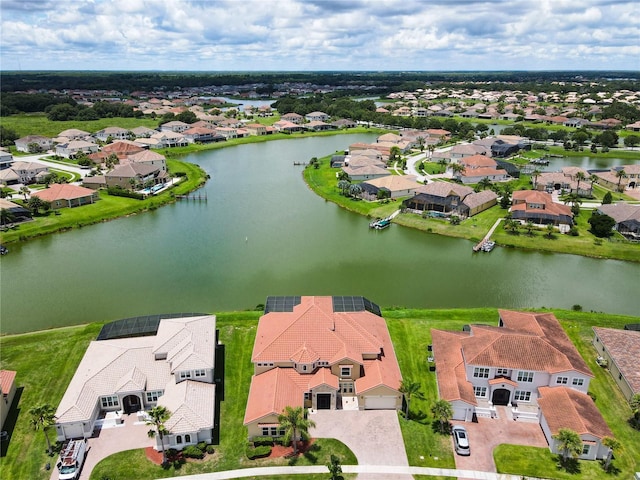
(130, 435)
(488, 433)
(372, 435)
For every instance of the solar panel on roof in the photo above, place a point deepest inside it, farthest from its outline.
(355, 304)
(281, 304)
(138, 326)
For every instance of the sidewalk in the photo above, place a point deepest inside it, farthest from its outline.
(370, 469)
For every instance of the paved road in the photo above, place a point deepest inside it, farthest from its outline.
(41, 159)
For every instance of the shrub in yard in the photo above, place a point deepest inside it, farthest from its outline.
(192, 451)
(261, 441)
(202, 445)
(210, 449)
(258, 452)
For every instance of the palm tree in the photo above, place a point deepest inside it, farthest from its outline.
(620, 174)
(43, 416)
(613, 444)
(457, 168)
(442, 411)
(569, 443)
(335, 469)
(485, 183)
(355, 190)
(443, 163)
(25, 191)
(410, 389)
(343, 185)
(295, 424)
(535, 174)
(421, 141)
(550, 229)
(579, 177)
(157, 417)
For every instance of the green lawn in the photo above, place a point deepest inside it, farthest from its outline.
(410, 332)
(107, 208)
(38, 124)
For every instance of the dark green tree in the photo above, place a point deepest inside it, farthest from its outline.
(601, 225)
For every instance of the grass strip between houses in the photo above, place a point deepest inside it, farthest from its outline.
(46, 361)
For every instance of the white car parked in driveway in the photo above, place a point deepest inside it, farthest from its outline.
(461, 440)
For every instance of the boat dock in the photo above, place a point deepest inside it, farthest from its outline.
(383, 223)
(486, 244)
(200, 197)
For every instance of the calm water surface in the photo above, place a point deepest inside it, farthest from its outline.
(263, 232)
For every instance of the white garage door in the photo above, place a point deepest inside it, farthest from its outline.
(380, 402)
(73, 431)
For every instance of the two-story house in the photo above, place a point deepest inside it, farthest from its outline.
(320, 353)
(171, 364)
(539, 208)
(527, 364)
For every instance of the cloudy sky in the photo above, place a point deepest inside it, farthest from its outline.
(224, 35)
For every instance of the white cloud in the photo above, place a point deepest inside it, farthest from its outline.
(318, 34)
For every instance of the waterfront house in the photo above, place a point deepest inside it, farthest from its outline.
(134, 175)
(395, 185)
(18, 212)
(317, 117)
(539, 208)
(293, 118)
(626, 216)
(148, 157)
(527, 364)
(320, 353)
(619, 351)
(8, 392)
(174, 126)
(62, 195)
(450, 198)
(171, 365)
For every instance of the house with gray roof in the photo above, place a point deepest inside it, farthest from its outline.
(33, 144)
(627, 218)
(172, 367)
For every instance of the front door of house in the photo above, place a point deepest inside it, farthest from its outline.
(131, 403)
(501, 396)
(324, 401)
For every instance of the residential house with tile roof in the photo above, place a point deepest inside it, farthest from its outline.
(115, 133)
(133, 175)
(26, 172)
(528, 364)
(627, 217)
(172, 367)
(33, 144)
(478, 167)
(62, 195)
(319, 352)
(396, 185)
(621, 351)
(317, 117)
(8, 392)
(539, 208)
(72, 148)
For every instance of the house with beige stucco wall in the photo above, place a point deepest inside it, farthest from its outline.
(320, 353)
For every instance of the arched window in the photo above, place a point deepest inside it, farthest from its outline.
(178, 438)
(187, 438)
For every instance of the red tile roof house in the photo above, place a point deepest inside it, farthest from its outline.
(539, 208)
(172, 366)
(320, 353)
(621, 350)
(8, 391)
(62, 195)
(526, 363)
(478, 167)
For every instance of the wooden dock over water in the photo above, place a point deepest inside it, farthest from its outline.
(200, 197)
(487, 237)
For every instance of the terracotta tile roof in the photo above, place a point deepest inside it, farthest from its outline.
(564, 407)
(483, 172)
(624, 348)
(365, 170)
(273, 390)
(7, 378)
(523, 198)
(64, 191)
(314, 332)
(146, 156)
(394, 183)
(450, 371)
(477, 161)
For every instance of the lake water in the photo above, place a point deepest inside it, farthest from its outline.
(263, 232)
